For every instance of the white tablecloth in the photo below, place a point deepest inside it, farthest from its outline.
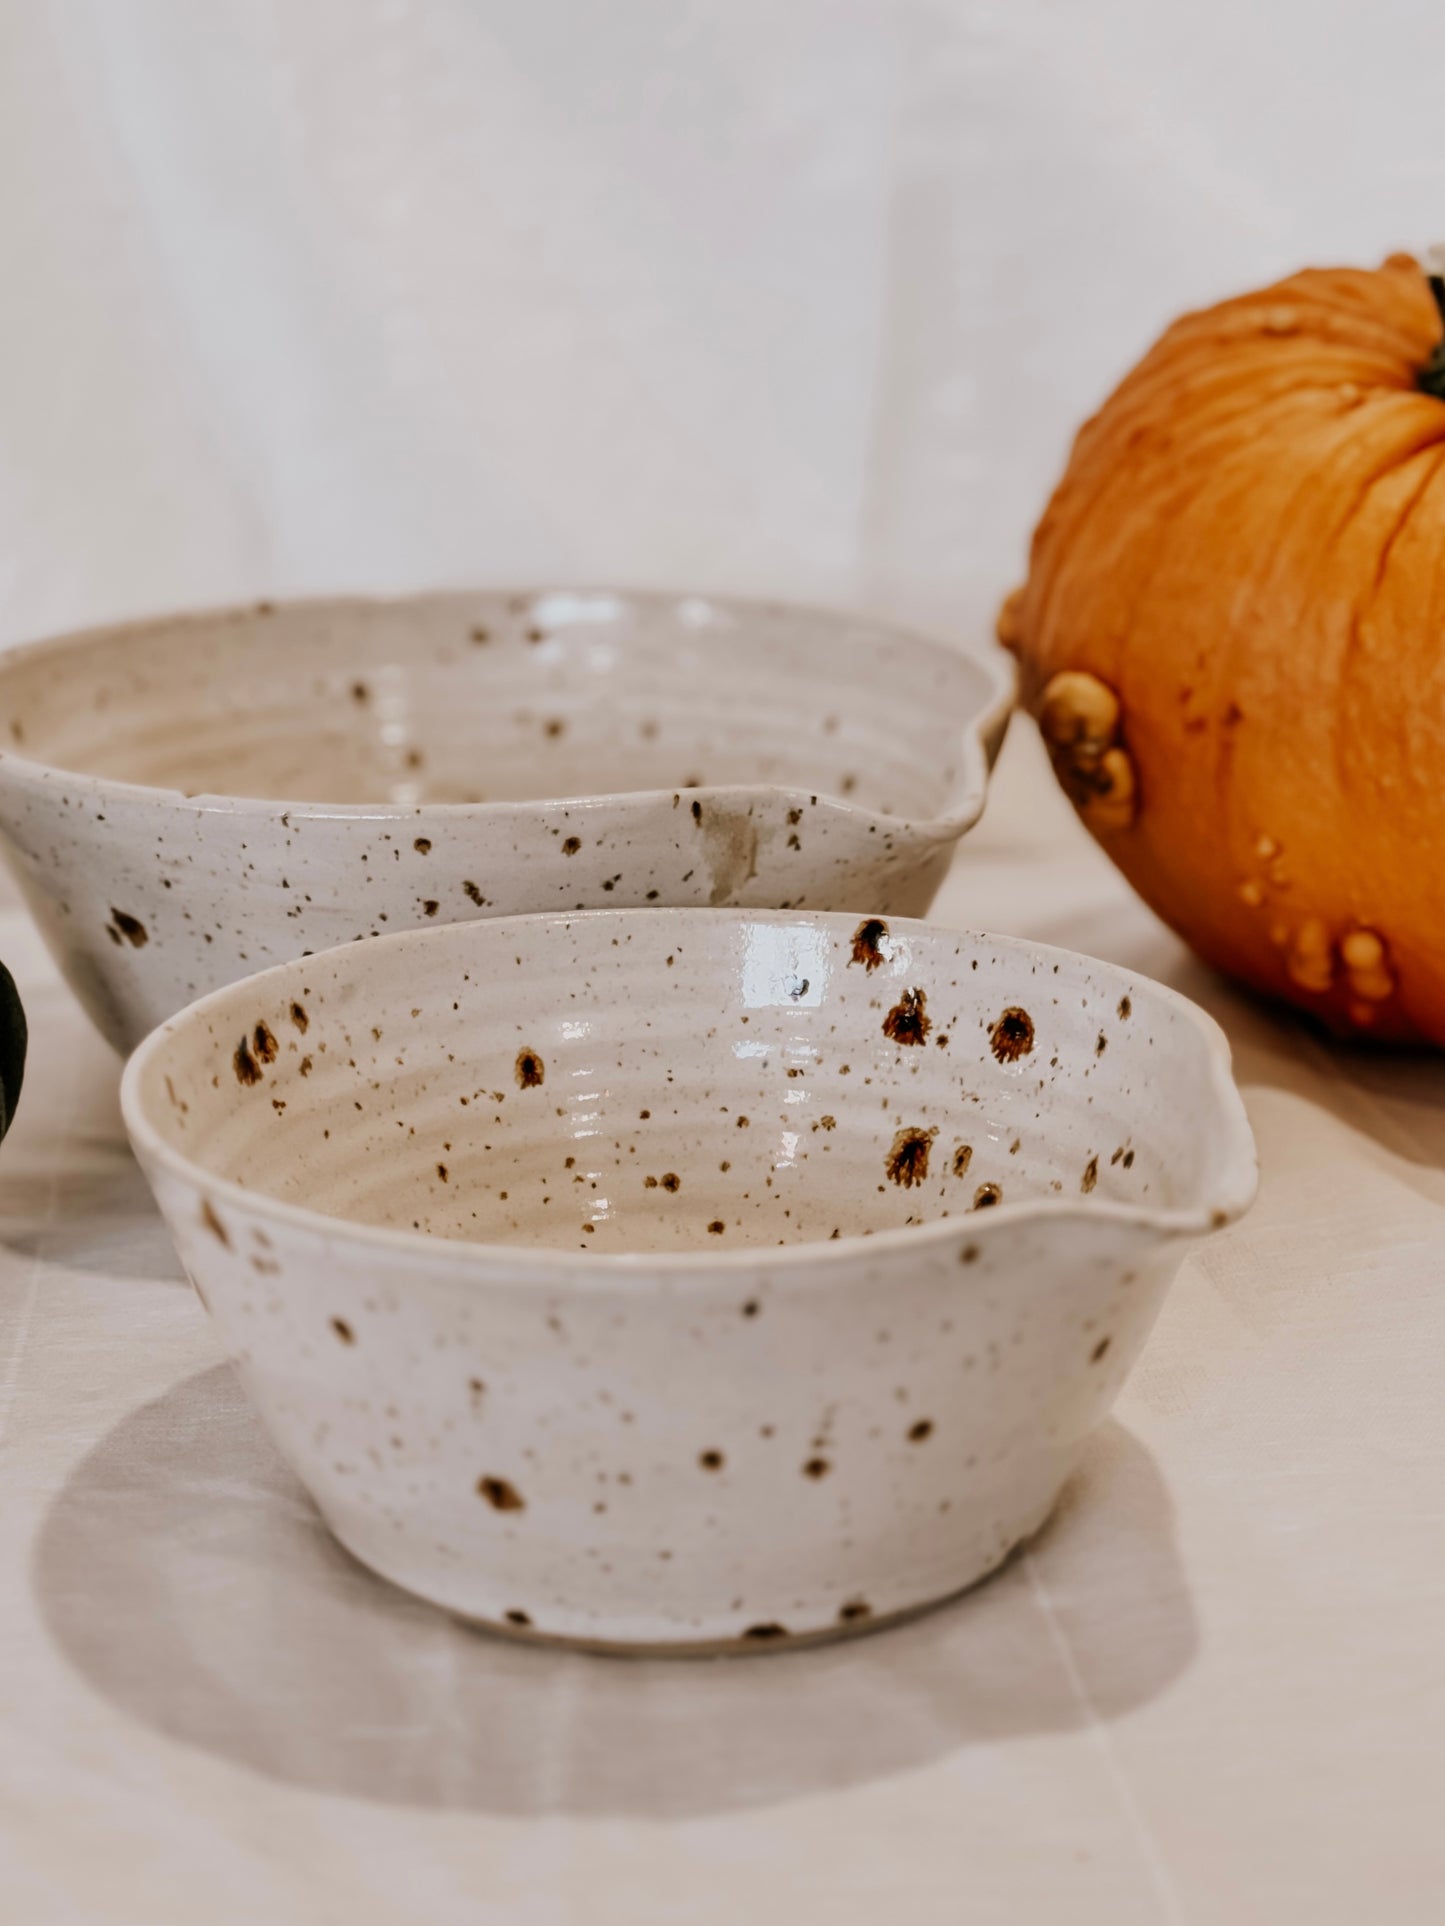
(1212, 1695)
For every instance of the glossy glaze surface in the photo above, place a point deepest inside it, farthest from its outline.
(685, 1278)
(188, 801)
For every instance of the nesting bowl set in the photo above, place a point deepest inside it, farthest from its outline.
(659, 1238)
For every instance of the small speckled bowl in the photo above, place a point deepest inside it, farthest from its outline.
(687, 1278)
(188, 801)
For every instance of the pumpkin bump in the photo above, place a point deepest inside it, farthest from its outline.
(1229, 638)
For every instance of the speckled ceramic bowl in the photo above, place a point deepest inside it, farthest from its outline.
(188, 801)
(687, 1278)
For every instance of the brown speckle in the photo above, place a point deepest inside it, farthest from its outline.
(962, 1158)
(855, 1608)
(571, 846)
(246, 1067)
(766, 1631)
(1012, 1036)
(742, 1123)
(131, 928)
(696, 810)
(553, 727)
(481, 636)
(360, 692)
(430, 906)
(1128, 1160)
(969, 1254)
(868, 940)
(500, 1494)
(1097, 1354)
(517, 1618)
(717, 1227)
(1090, 1176)
(300, 1018)
(1125, 1009)
(213, 1223)
(343, 1330)
(918, 1432)
(711, 1460)
(304, 1067)
(530, 1070)
(907, 1159)
(907, 1022)
(817, 1468)
(443, 1173)
(751, 1308)
(470, 889)
(1102, 1045)
(986, 1196)
(670, 1180)
(422, 845)
(264, 1044)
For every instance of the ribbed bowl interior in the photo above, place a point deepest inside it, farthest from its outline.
(710, 1080)
(471, 698)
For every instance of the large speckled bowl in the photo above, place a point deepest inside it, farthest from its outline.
(187, 801)
(687, 1278)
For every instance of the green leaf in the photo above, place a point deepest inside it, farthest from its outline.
(13, 1039)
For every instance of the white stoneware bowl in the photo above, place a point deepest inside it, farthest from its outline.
(188, 801)
(687, 1278)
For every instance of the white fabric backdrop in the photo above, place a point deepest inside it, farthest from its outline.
(803, 296)
(774, 294)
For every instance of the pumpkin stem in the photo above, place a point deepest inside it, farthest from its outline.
(1431, 377)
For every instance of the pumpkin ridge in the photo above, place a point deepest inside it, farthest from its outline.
(1235, 391)
(1364, 606)
(1114, 507)
(1393, 301)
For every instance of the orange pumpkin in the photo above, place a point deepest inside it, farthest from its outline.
(1233, 637)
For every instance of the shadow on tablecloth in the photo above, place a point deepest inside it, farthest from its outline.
(185, 1574)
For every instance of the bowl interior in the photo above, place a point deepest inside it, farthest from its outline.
(469, 698)
(707, 1080)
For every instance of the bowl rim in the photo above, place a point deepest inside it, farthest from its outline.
(1234, 1189)
(966, 800)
